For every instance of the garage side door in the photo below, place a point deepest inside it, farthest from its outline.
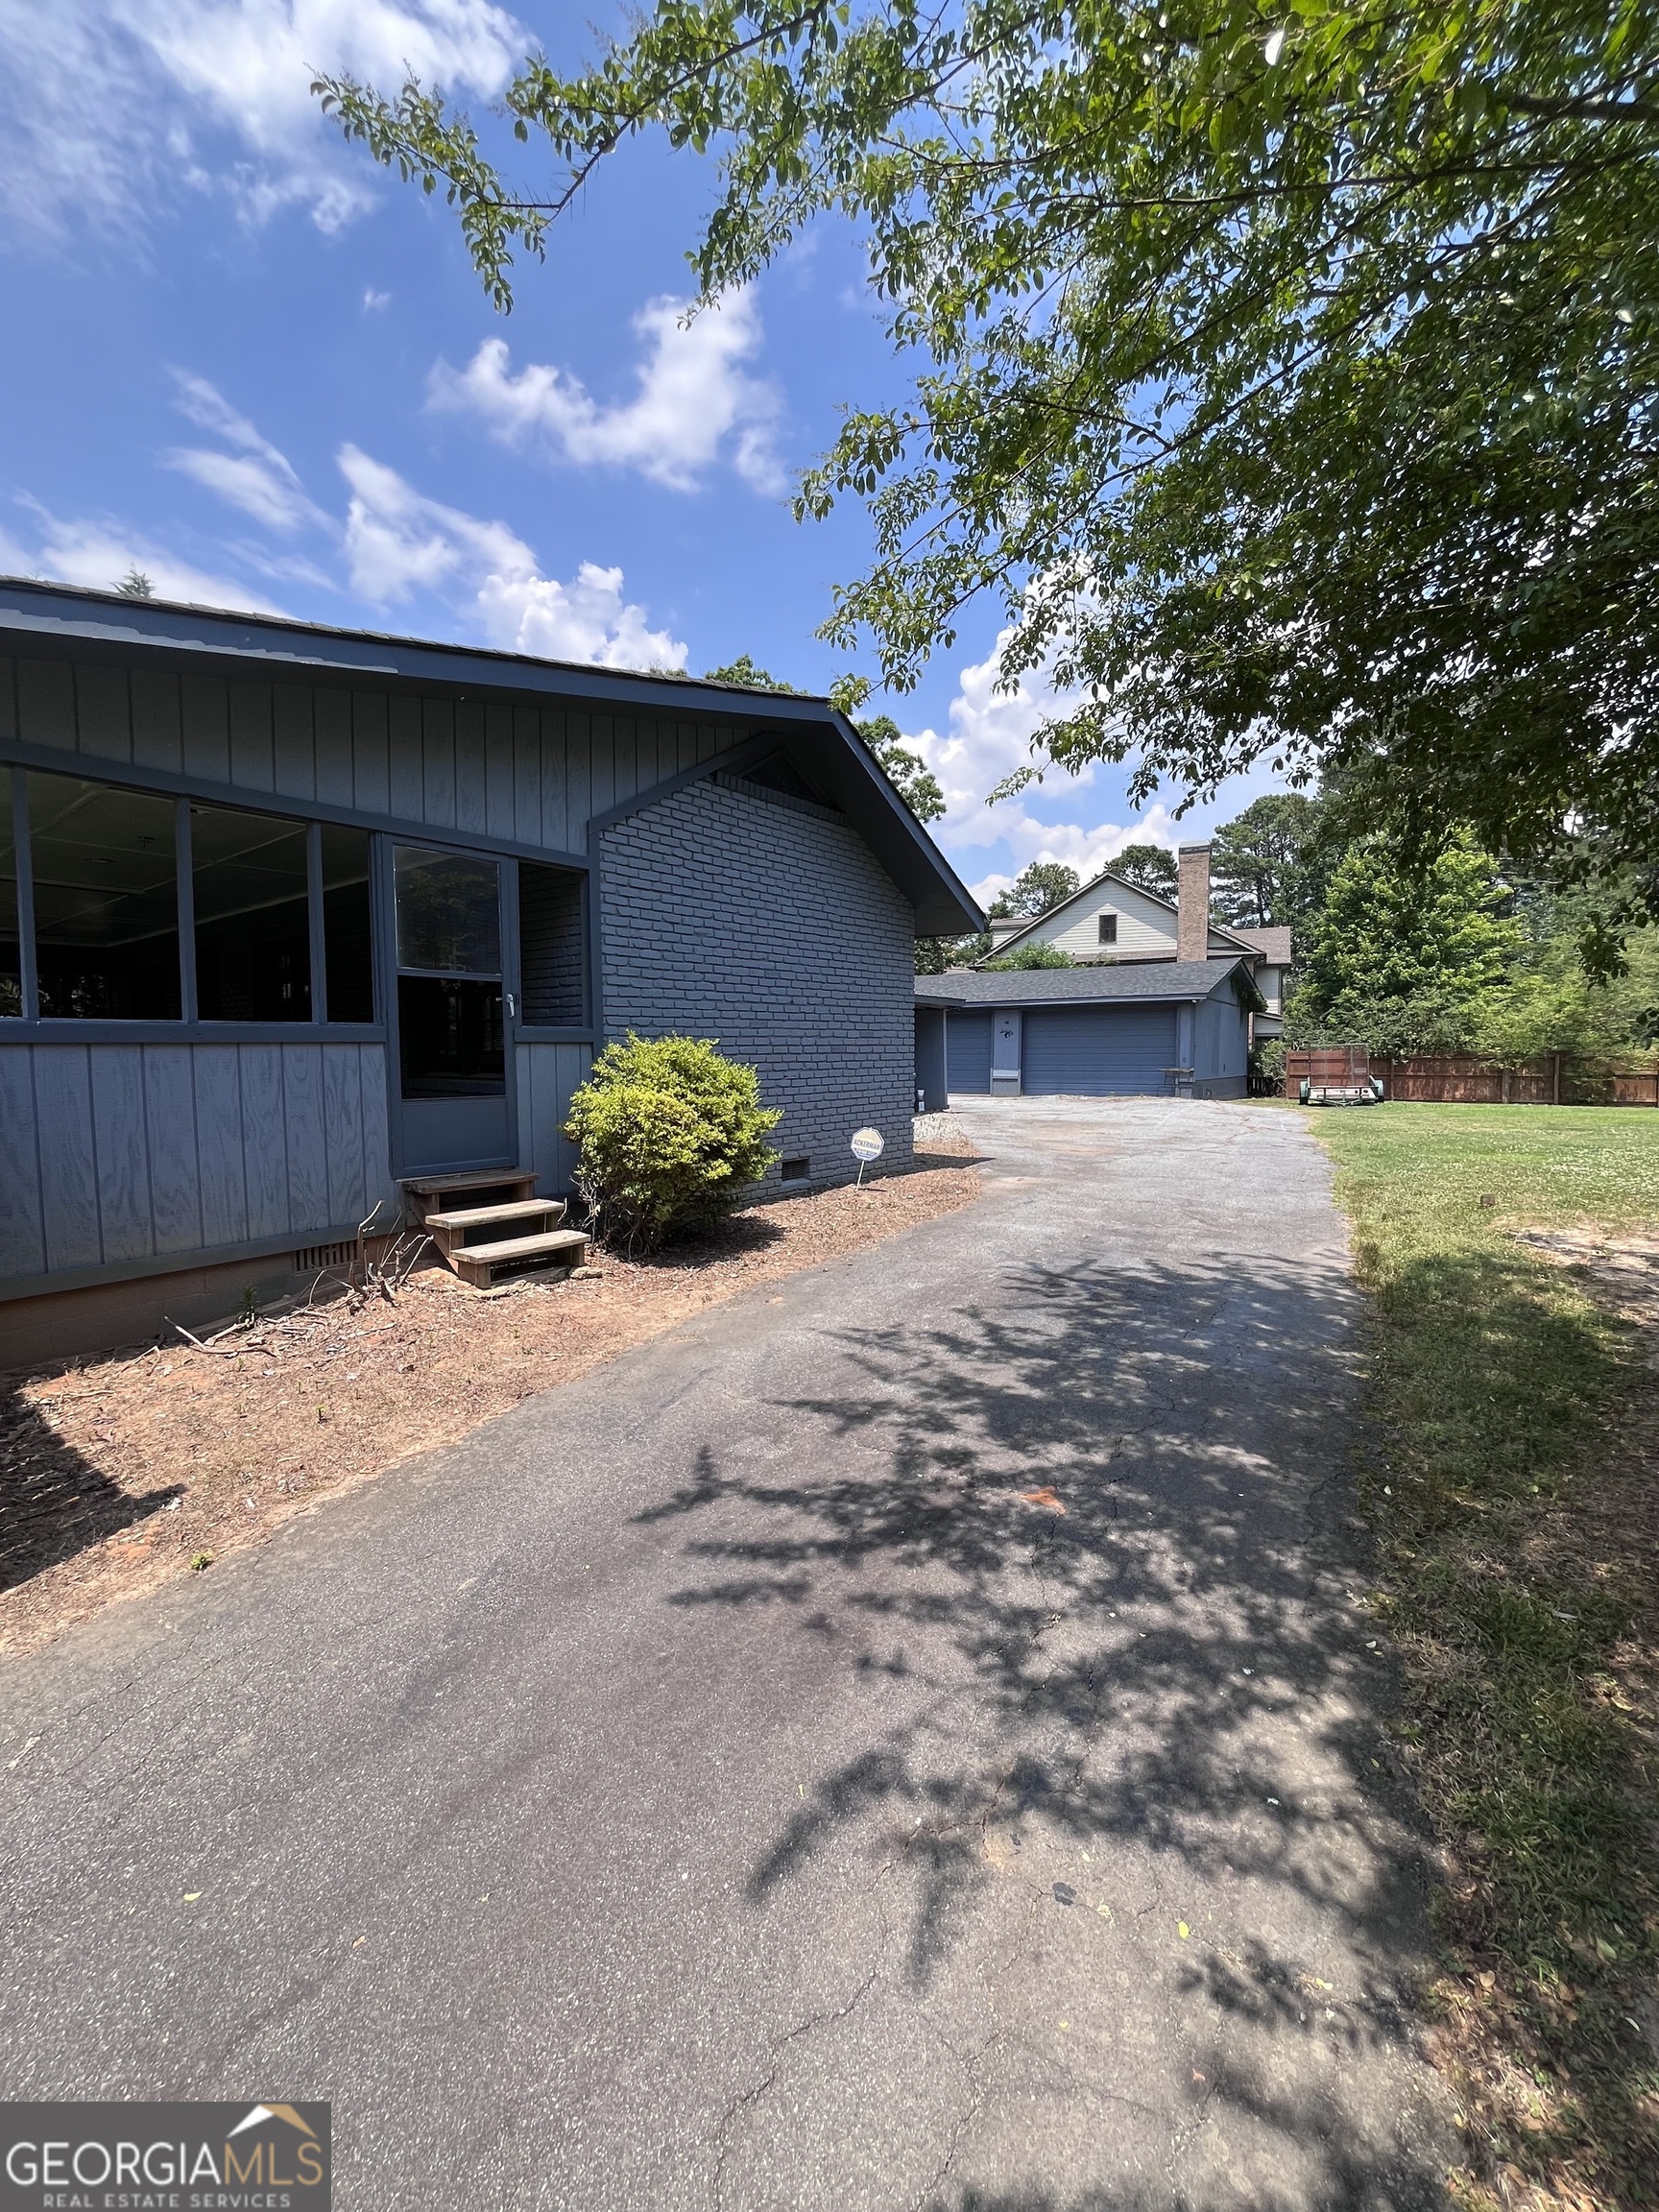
(968, 1046)
(1098, 1051)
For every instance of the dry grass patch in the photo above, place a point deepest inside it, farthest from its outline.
(122, 1472)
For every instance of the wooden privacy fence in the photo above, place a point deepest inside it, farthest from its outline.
(1459, 1078)
(1614, 1087)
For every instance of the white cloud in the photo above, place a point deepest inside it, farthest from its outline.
(989, 889)
(374, 301)
(97, 553)
(107, 107)
(207, 407)
(588, 619)
(989, 736)
(1087, 850)
(394, 541)
(257, 478)
(694, 402)
(398, 541)
(247, 483)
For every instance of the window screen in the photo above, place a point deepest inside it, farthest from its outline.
(448, 912)
(552, 946)
(105, 900)
(347, 930)
(450, 1038)
(252, 916)
(1108, 928)
(10, 953)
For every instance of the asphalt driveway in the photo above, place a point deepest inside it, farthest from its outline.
(905, 1739)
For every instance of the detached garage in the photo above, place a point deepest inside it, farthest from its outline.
(1172, 1029)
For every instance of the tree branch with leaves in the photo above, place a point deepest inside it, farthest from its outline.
(1284, 374)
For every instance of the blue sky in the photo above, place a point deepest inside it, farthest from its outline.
(245, 360)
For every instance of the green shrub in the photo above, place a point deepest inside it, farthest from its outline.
(1267, 1059)
(1037, 955)
(669, 1134)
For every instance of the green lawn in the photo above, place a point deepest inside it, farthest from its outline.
(1553, 1165)
(1516, 1517)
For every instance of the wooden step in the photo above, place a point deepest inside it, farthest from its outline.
(450, 1231)
(484, 1265)
(477, 1216)
(428, 1194)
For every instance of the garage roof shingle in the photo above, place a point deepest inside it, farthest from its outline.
(1133, 980)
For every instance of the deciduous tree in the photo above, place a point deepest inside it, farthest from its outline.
(1405, 961)
(908, 774)
(1287, 371)
(906, 771)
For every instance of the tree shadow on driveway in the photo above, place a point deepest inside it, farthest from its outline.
(1086, 1552)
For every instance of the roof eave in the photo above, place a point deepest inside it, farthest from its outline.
(64, 614)
(944, 906)
(60, 617)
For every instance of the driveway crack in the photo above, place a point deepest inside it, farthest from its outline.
(829, 2016)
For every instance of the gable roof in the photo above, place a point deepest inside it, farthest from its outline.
(1143, 982)
(56, 621)
(1137, 890)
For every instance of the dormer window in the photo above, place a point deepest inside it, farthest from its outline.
(1108, 928)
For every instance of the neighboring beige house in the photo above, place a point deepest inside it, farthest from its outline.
(1113, 922)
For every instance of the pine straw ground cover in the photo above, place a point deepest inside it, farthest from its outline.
(120, 1472)
(1514, 1490)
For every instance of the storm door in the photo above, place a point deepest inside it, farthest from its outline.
(451, 1008)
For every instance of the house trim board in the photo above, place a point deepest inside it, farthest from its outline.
(14, 1287)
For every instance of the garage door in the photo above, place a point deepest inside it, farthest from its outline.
(968, 1042)
(1097, 1051)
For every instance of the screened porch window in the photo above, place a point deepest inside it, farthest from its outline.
(103, 877)
(252, 916)
(104, 868)
(347, 930)
(552, 946)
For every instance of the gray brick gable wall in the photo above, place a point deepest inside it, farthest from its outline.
(777, 931)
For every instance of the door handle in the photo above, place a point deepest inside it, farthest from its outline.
(511, 1008)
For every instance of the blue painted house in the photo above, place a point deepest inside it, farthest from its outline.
(290, 915)
(1157, 999)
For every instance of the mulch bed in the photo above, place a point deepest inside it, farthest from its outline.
(120, 1472)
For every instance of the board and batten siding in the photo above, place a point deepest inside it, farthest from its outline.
(1220, 1046)
(548, 1077)
(525, 774)
(112, 1153)
(115, 1155)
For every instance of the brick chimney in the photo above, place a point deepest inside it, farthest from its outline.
(1193, 903)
